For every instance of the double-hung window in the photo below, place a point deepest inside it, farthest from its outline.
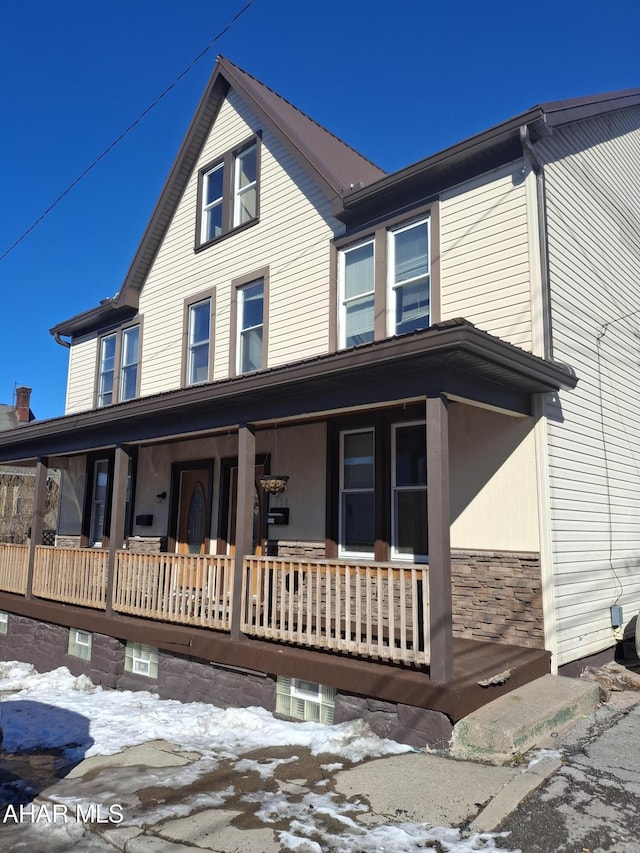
(357, 496)
(199, 338)
(409, 492)
(118, 366)
(245, 194)
(129, 370)
(212, 198)
(357, 293)
(228, 193)
(250, 313)
(409, 291)
(107, 370)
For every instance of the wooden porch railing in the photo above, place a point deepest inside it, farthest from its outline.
(72, 575)
(185, 588)
(377, 611)
(14, 565)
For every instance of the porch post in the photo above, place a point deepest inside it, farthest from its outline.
(244, 518)
(438, 525)
(37, 522)
(118, 508)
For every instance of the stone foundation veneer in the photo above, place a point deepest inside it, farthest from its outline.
(287, 548)
(497, 596)
(63, 541)
(147, 544)
(188, 679)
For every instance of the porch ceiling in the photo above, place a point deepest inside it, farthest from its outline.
(449, 358)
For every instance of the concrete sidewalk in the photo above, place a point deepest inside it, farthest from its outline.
(172, 802)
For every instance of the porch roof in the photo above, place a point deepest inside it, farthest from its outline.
(453, 358)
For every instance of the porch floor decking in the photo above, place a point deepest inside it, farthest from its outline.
(474, 660)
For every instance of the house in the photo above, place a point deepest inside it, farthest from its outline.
(17, 484)
(347, 443)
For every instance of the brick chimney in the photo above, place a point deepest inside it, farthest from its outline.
(23, 404)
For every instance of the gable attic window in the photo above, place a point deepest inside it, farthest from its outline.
(228, 193)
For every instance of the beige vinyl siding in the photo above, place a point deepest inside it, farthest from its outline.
(81, 376)
(593, 204)
(493, 481)
(298, 268)
(485, 264)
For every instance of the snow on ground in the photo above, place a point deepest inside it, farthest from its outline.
(56, 710)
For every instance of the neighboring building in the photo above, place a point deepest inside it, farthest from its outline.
(17, 484)
(442, 361)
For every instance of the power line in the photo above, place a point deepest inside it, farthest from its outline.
(128, 130)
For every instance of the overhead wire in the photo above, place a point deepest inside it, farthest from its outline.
(127, 131)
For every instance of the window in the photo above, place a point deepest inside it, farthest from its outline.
(228, 193)
(409, 493)
(80, 643)
(141, 659)
(129, 373)
(4, 622)
(107, 370)
(250, 326)
(246, 186)
(118, 366)
(409, 278)
(305, 700)
(356, 534)
(213, 181)
(99, 501)
(199, 336)
(357, 294)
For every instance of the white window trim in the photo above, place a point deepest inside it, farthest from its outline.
(395, 555)
(391, 262)
(241, 330)
(191, 346)
(342, 299)
(207, 207)
(125, 332)
(238, 191)
(102, 372)
(342, 551)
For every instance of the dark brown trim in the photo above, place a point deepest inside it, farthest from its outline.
(174, 499)
(209, 294)
(244, 519)
(380, 421)
(334, 302)
(236, 285)
(228, 163)
(37, 522)
(439, 526)
(453, 358)
(118, 517)
(92, 458)
(474, 660)
(117, 369)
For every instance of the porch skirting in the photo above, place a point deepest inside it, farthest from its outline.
(497, 596)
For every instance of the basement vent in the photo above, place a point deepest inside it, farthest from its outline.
(79, 644)
(141, 659)
(305, 700)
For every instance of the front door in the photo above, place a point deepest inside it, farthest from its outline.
(193, 511)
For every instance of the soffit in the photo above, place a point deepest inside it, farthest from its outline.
(452, 357)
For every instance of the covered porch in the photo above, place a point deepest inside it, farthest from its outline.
(379, 626)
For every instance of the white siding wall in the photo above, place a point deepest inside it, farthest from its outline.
(484, 255)
(81, 377)
(593, 202)
(292, 239)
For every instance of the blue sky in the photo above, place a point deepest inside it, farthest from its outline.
(397, 81)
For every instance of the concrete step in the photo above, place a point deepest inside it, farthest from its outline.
(518, 721)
